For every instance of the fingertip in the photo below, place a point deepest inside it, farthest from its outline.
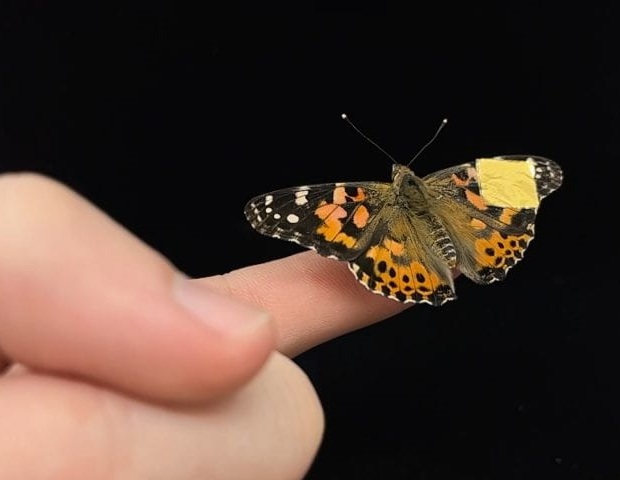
(312, 298)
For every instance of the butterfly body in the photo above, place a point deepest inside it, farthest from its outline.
(405, 239)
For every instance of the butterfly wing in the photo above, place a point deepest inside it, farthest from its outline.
(489, 209)
(336, 220)
(399, 262)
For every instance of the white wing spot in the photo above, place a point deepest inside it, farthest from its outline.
(268, 199)
(300, 196)
(292, 218)
(269, 210)
(277, 216)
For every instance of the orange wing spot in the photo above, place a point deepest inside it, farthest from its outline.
(345, 239)
(476, 200)
(460, 182)
(471, 175)
(373, 252)
(325, 210)
(506, 216)
(477, 224)
(361, 216)
(331, 227)
(394, 247)
(340, 195)
(360, 195)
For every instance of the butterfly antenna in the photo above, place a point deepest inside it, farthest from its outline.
(439, 129)
(346, 119)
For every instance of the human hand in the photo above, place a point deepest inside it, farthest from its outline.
(117, 367)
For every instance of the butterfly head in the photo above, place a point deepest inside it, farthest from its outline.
(409, 188)
(402, 175)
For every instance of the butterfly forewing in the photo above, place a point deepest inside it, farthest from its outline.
(333, 219)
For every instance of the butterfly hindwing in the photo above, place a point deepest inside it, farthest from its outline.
(399, 264)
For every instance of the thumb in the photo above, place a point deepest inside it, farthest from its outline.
(81, 296)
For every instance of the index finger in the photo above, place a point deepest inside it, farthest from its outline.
(312, 298)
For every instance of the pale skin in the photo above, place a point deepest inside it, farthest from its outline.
(116, 367)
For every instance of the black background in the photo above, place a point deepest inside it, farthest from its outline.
(171, 117)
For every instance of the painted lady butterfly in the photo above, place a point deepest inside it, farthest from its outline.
(403, 239)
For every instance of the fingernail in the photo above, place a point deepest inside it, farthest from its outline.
(216, 310)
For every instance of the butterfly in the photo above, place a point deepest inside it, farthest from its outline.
(404, 239)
